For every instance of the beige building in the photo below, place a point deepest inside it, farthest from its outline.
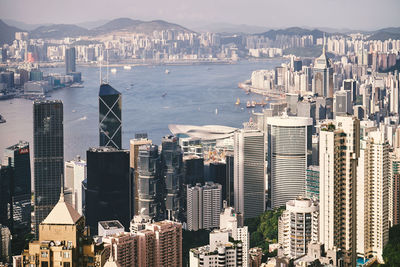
(63, 241)
(339, 152)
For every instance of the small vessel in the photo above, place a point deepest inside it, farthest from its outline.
(113, 70)
(237, 101)
(132, 84)
(216, 111)
(2, 120)
(167, 71)
(163, 95)
(251, 104)
(127, 67)
(76, 85)
(73, 111)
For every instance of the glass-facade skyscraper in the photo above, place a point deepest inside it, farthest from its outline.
(48, 156)
(110, 123)
(70, 65)
(110, 187)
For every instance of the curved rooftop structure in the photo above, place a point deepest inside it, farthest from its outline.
(206, 132)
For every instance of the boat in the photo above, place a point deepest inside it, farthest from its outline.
(237, 101)
(76, 85)
(163, 95)
(127, 67)
(73, 111)
(2, 120)
(251, 104)
(167, 71)
(113, 70)
(216, 111)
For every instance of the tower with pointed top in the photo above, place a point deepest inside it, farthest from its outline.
(323, 75)
(110, 122)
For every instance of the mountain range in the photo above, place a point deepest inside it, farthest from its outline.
(58, 31)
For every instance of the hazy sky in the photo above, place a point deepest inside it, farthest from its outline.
(354, 14)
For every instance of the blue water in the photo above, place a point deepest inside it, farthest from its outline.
(193, 93)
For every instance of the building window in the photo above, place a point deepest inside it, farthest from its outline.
(44, 254)
(66, 255)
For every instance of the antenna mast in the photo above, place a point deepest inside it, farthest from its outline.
(107, 65)
(101, 59)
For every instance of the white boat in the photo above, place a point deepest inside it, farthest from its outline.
(127, 67)
(167, 71)
(113, 70)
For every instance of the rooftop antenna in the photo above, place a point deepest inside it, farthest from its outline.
(323, 46)
(62, 189)
(101, 78)
(107, 66)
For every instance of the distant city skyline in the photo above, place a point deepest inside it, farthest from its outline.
(355, 15)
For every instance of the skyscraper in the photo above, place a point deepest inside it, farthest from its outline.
(323, 75)
(110, 123)
(339, 153)
(373, 176)
(48, 156)
(75, 173)
(229, 159)
(149, 184)
(203, 206)
(172, 170)
(289, 155)
(249, 172)
(70, 60)
(109, 193)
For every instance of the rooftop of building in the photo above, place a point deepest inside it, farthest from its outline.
(21, 144)
(62, 213)
(105, 149)
(110, 225)
(206, 132)
(46, 101)
(106, 89)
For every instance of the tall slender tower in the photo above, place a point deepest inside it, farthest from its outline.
(70, 65)
(110, 122)
(48, 156)
(339, 153)
(249, 172)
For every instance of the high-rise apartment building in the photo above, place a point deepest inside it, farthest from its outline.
(5, 244)
(134, 155)
(203, 206)
(339, 153)
(70, 58)
(289, 155)
(298, 226)
(249, 172)
(394, 194)
(172, 170)
(75, 173)
(109, 193)
(18, 157)
(373, 177)
(311, 189)
(110, 121)
(48, 156)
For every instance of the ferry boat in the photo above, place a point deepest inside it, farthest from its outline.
(113, 70)
(127, 67)
(237, 101)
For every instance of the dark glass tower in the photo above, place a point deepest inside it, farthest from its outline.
(172, 163)
(229, 158)
(17, 156)
(48, 156)
(70, 60)
(110, 123)
(110, 187)
(150, 187)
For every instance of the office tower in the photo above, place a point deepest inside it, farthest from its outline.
(110, 122)
(160, 245)
(394, 95)
(289, 155)
(297, 64)
(109, 193)
(193, 170)
(5, 244)
(249, 173)
(203, 206)
(394, 193)
(373, 176)
(298, 226)
(5, 195)
(48, 156)
(149, 183)
(323, 75)
(350, 85)
(172, 168)
(342, 100)
(75, 173)
(63, 241)
(311, 189)
(219, 253)
(70, 60)
(339, 153)
(217, 174)
(232, 222)
(134, 154)
(229, 193)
